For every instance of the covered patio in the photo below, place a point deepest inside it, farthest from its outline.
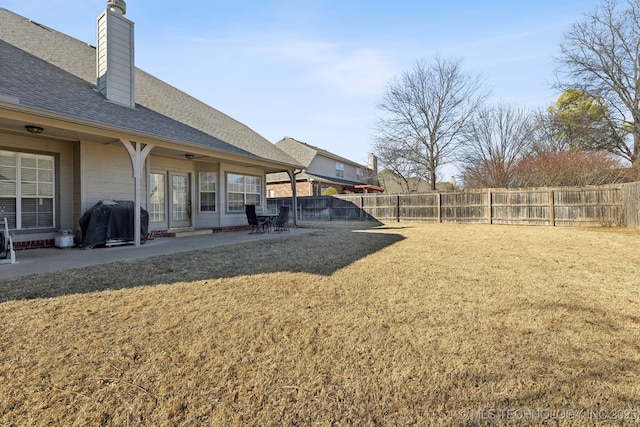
(45, 260)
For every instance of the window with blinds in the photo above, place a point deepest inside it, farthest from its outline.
(208, 191)
(27, 190)
(243, 190)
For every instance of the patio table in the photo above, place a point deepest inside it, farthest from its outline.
(268, 219)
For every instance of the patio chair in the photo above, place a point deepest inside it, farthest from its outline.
(281, 223)
(257, 225)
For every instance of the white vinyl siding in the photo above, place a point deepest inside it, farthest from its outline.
(27, 190)
(325, 166)
(115, 52)
(108, 174)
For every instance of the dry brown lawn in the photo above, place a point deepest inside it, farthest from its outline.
(403, 324)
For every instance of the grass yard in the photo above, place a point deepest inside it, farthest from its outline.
(403, 324)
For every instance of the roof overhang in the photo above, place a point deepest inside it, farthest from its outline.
(370, 187)
(14, 117)
(306, 176)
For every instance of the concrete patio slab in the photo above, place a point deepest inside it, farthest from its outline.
(37, 261)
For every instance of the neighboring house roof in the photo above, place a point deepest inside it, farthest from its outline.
(340, 181)
(305, 153)
(332, 179)
(306, 176)
(62, 80)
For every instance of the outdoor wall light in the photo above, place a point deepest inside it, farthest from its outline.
(34, 129)
(190, 156)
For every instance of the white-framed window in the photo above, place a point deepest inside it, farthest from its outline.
(27, 190)
(158, 198)
(243, 190)
(340, 170)
(208, 183)
(358, 174)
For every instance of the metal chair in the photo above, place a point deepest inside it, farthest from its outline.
(282, 221)
(257, 226)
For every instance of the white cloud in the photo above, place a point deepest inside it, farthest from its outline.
(356, 71)
(291, 48)
(363, 72)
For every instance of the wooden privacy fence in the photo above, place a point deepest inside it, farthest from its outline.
(612, 205)
(631, 197)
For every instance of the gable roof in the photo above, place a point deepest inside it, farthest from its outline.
(305, 153)
(71, 96)
(63, 69)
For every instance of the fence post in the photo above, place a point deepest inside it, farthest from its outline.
(439, 206)
(552, 209)
(490, 208)
(398, 208)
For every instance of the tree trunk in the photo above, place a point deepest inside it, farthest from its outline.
(433, 179)
(635, 156)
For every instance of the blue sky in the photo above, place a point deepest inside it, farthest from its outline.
(316, 70)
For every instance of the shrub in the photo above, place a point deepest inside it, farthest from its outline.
(330, 192)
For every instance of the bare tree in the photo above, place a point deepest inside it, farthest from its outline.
(493, 143)
(424, 112)
(397, 162)
(600, 56)
(544, 136)
(575, 167)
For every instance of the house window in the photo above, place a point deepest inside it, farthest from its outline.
(340, 170)
(27, 190)
(157, 200)
(207, 191)
(358, 174)
(243, 190)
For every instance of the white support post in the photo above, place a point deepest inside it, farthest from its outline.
(138, 153)
(294, 197)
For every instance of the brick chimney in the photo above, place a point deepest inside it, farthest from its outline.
(114, 54)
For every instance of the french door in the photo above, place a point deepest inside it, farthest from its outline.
(180, 201)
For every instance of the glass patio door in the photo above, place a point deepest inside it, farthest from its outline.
(180, 215)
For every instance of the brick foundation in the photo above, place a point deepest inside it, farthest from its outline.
(34, 244)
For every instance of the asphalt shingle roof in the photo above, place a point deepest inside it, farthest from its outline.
(305, 153)
(300, 151)
(72, 96)
(48, 70)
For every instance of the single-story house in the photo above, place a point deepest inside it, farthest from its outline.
(80, 124)
(322, 170)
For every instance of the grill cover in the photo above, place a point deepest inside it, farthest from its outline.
(112, 220)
